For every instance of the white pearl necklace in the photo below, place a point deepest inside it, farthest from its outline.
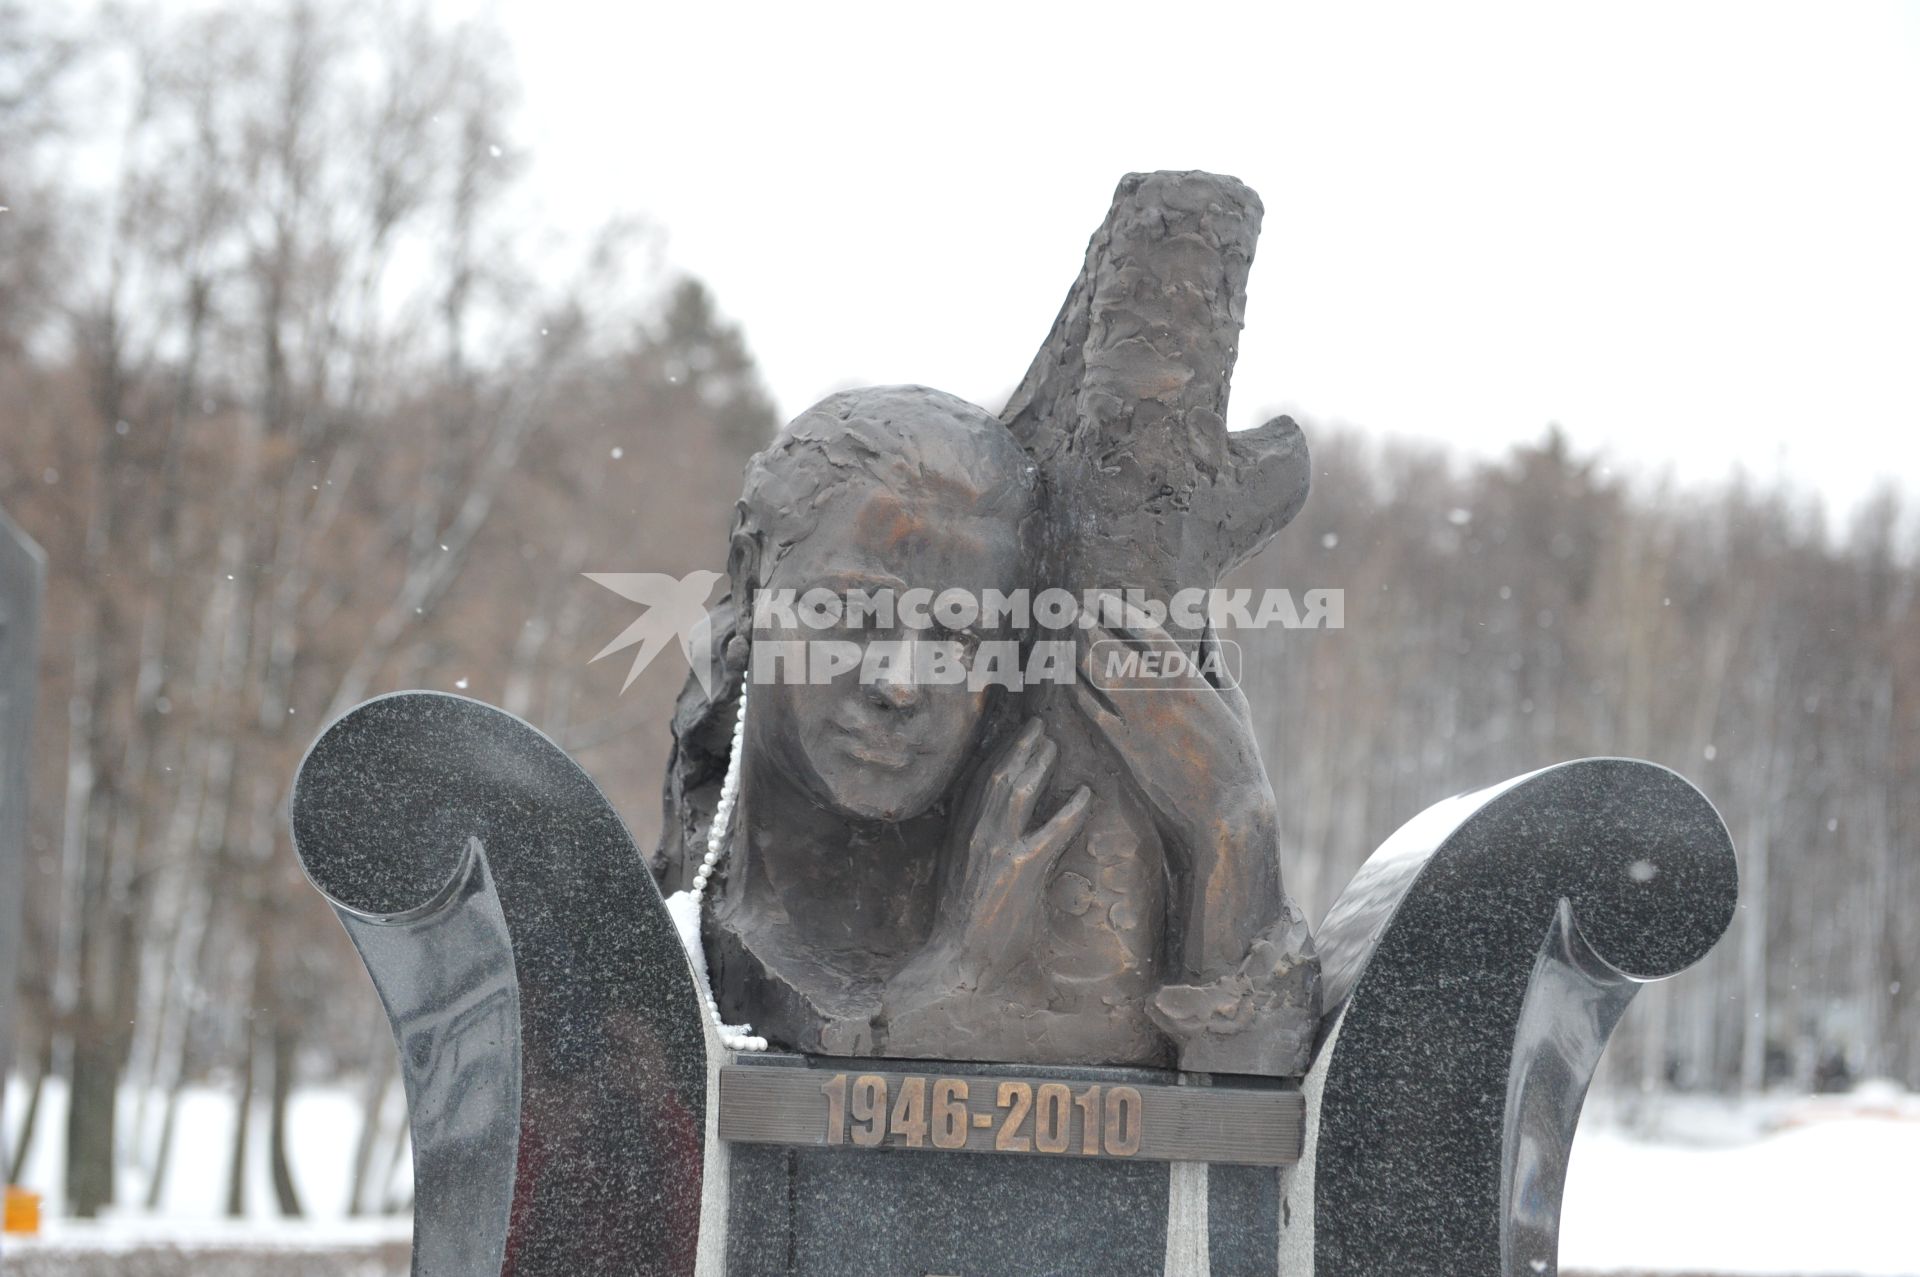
(717, 840)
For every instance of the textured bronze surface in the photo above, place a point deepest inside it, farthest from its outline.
(1053, 875)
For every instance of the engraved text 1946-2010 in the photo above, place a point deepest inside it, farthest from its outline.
(854, 1110)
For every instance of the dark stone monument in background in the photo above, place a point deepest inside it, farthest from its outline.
(22, 576)
(1036, 998)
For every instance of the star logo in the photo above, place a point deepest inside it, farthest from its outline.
(676, 609)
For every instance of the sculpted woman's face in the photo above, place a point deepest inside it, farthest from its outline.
(894, 488)
(884, 750)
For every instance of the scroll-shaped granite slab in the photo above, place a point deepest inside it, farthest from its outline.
(550, 1034)
(1474, 970)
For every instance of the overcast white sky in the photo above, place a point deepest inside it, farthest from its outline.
(1690, 233)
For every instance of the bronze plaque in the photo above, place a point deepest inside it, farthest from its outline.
(1047, 1117)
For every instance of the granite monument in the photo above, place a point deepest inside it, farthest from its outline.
(961, 975)
(22, 577)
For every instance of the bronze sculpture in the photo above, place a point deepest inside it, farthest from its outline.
(1000, 878)
(1058, 875)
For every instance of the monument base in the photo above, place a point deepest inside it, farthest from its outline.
(807, 1208)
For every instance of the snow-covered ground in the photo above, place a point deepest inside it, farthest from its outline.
(1813, 1187)
(1781, 1185)
(323, 1126)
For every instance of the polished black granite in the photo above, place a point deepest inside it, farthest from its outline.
(1474, 969)
(827, 1212)
(553, 1047)
(1243, 1220)
(550, 1032)
(22, 574)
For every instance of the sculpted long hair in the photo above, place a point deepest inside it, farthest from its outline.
(909, 439)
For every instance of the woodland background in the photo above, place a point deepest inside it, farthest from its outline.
(305, 403)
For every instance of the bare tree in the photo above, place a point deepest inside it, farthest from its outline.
(315, 404)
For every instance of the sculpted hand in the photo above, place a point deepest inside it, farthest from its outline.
(993, 923)
(1188, 745)
(1244, 990)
